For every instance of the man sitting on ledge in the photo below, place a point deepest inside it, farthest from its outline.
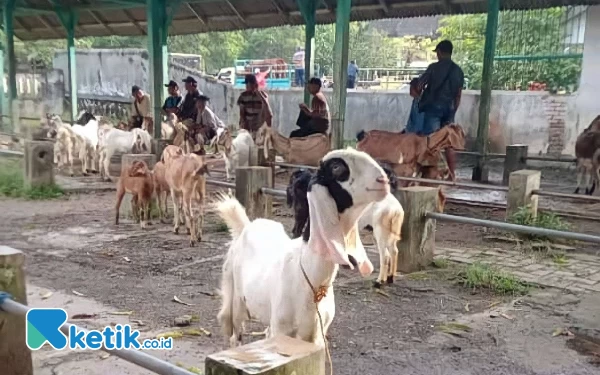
(316, 119)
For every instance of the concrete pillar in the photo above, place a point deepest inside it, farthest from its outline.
(15, 356)
(340, 72)
(418, 233)
(280, 355)
(39, 163)
(11, 67)
(248, 182)
(515, 160)
(521, 184)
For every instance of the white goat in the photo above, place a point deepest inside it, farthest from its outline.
(272, 278)
(88, 148)
(67, 145)
(136, 141)
(386, 218)
(236, 152)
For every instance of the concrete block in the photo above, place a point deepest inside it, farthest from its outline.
(279, 355)
(521, 185)
(15, 357)
(39, 163)
(417, 245)
(248, 184)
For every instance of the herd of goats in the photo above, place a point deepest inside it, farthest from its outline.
(351, 189)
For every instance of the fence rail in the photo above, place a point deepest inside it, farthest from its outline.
(136, 357)
(514, 227)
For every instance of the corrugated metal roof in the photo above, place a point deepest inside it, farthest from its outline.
(35, 19)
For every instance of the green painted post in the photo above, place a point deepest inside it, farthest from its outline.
(9, 7)
(308, 8)
(2, 94)
(340, 72)
(71, 18)
(480, 171)
(158, 29)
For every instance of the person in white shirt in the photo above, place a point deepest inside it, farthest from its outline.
(141, 110)
(298, 61)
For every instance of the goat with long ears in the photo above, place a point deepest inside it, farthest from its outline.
(272, 278)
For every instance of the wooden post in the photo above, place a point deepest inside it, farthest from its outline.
(515, 160)
(15, 357)
(418, 233)
(39, 167)
(280, 355)
(521, 184)
(248, 184)
(265, 162)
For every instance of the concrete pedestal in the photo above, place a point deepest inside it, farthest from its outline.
(39, 163)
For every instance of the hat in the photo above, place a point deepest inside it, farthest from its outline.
(445, 46)
(134, 89)
(203, 98)
(190, 79)
(172, 84)
(250, 78)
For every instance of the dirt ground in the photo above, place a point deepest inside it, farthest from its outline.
(73, 245)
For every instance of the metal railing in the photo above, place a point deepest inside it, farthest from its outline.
(136, 357)
(514, 227)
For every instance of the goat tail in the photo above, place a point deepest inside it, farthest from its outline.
(234, 215)
(361, 135)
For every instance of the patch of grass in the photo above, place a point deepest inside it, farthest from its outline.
(544, 220)
(12, 184)
(483, 276)
(441, 263)
(560, 259)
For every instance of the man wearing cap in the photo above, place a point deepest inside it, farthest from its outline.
(172, 102)
(254, 107)
(188, 106)
(441, 86)
(141, 110)
(313, 120)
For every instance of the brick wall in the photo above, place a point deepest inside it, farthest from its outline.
(556, 110)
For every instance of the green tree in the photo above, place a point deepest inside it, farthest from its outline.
(525, 33)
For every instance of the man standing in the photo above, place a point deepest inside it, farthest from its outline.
(188, 107)
(254, 106)
(441, 85)
(315, 119)
(141, 109)
(352, 74)
(172, 102)
(298, 60)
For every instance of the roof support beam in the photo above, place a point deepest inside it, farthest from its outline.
(69, 20)
(198, 16)
(9, 32)
(308, 8)
(340, 71)
(284, 14)
(158, 19)
(480, 172)
(385, 7)
(237, 14)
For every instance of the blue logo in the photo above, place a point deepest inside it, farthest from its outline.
(43, 326)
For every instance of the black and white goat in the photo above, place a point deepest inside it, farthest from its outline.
(261, 254)
(384, 218)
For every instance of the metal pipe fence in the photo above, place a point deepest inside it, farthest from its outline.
(273, 192)
(230, 185)
(566, 195)
(515, 227)
(136, 357)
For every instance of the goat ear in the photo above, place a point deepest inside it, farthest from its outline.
(326, 236)
(441, 201)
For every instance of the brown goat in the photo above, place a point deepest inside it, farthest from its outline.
(587, 153)
(161, 189)
(417, 153)
(136, 180)
(187, 182)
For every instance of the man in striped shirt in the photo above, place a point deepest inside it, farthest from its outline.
(254, 107)
(315, 119)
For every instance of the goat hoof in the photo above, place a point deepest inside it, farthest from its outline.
(188, 231)
(377, 284)
(390, 279)
(577, 191)
(176, 230)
